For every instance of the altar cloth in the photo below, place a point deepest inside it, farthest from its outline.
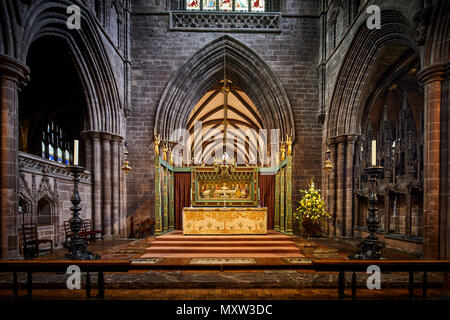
(224, 220)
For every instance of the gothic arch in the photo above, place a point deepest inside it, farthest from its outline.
(206, 68)
(437, 45)
(346, 108)
(48, 18)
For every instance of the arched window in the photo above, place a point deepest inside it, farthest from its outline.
(51, 106)
(54, 144)
(44, 213)
(227, 5)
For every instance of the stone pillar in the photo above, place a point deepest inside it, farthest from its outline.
(445, 170)
(282, 200)
(331, 196)
(13, 75)
(87, 150)
(106, 179)
(276, 220)
(97, 180)
(115, 171)
(340, 185)
(431, 78)
(348, 213)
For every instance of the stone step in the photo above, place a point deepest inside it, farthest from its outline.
(150, 255)
(218, 243)
(170, 237)
(221, 249)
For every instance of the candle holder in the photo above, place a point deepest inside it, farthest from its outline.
(370, 247)
(77, 245)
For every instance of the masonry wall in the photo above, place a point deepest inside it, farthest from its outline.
(43, 179)
(157, 53)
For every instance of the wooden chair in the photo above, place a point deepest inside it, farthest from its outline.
(30, 241)
(91, 233)
(69, 232)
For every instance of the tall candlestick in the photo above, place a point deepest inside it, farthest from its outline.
(75, 152)
(374, 152)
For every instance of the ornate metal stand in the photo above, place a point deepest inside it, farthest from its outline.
(77, 245)
(370, 248)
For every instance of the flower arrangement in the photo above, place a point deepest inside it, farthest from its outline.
(311, 211)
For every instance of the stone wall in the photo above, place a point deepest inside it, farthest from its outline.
(44, 179)
(157, 54)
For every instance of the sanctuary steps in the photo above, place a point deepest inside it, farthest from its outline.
(177, 245)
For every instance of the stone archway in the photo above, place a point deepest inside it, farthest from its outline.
(206, 68)
(349, 103)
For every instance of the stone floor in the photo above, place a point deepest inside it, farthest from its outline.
(321, 248)
(256, 284)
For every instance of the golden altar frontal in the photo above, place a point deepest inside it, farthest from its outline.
(225, 220)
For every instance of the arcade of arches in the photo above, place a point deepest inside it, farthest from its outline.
(263, 103)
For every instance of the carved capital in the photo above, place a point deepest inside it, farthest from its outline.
(94, 135)
(116, 138)
(341, 139)
(106, 136)
(14, 70)
(431, 73)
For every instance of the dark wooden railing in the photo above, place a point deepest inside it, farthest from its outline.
(89, 267)
(410, 266)
(339, 266)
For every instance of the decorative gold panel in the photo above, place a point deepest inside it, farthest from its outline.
(224, 221)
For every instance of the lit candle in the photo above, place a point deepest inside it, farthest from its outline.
(75, 154)
(374, 152)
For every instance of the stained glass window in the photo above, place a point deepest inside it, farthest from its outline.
(193, 4)
(241, 5)
(257, 5)
(226, 5)
(209, 5)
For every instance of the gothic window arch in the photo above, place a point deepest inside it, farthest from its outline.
(52, 107)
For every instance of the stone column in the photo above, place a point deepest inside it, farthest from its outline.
(348, 213)
(445, 170)
(96, 180)
(332, 188)
(87, 150)
(340, 185)
(115, 171)
(13, 75)
(431, 77)
(106, 179)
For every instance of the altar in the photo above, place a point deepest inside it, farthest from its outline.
(224, 220)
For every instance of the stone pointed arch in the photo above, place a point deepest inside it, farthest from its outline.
(205, 68)
(346, 108)
(437, 45)
(48, 18)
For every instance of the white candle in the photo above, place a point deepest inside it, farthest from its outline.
(75, 152)
(374, 152)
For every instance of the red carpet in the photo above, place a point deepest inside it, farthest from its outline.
(177, 245)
